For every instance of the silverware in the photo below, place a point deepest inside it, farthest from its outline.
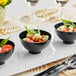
(55, 70)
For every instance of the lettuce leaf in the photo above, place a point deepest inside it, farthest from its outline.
(68, 23)
(32, 32)
(3, 42)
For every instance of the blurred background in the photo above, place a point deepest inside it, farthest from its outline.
(19, 6)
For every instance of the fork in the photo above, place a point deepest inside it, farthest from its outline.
(55, 70)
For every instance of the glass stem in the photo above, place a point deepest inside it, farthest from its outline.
(62, 12)
(33, 16)
(32, 12)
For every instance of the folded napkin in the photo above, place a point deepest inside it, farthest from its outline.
(10, 26)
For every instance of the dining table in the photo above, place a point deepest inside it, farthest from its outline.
(24, 64)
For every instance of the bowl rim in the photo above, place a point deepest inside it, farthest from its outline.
(37, 43)
(9, 44)
(62, 31)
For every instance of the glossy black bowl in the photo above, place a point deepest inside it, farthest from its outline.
(67, 37)
(4, 56)
(35, 48)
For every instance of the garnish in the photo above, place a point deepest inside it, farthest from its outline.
(68, 23)
(32, 32)
(68, 26)
(3, 42)
(34, 36)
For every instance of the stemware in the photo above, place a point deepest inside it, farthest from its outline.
(61, 4)
(31, 18)
(31, 5)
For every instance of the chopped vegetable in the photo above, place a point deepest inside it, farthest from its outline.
(45, 38)
(34, 36)
(74, 30)
(3, 42)
(4, 47)
(41, 41)
(68, 26)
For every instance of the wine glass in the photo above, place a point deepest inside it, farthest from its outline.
(31, 18)
(61, 3)
(31, 5)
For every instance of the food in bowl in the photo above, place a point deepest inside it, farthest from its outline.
(68, 37)
(68, 26)
(5, 47)
(35, 47)
(34, 36)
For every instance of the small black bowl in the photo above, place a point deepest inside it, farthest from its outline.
(4, 56)
(34, 48)
(67, 37)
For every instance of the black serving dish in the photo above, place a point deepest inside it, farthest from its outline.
(35, 48)
(67, 37)
(4, 56)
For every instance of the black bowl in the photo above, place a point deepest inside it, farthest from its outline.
(67, 37)
(34, 48)
(4, 56)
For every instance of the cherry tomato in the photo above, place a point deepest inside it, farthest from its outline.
(74, 29)
(41, 41)
(43, 36)
(36, 39)
(31, 41)
(6, 48)
(68, 29)
(31, 37)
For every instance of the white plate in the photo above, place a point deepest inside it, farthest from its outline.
(63, 50)
(21, 60)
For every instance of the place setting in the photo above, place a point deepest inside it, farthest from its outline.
(45, 37)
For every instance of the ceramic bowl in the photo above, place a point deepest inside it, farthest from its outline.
(35, 48)
(67, 37)
(6, 55)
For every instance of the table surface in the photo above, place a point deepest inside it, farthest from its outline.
(19, 7)
(62, 51)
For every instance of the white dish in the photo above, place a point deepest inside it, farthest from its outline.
(21, 60)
